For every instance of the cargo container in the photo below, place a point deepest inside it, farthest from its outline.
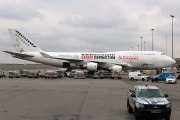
(50, 74)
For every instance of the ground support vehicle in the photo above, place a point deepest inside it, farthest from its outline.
(178, 74)
(2, 74)
(171, 79)
(14, 74)
(41, 73)
(162, 76)
(50, 74)
(60, 73)
(98, 74)
(174, 70)
(138, 76)
(89, 74)
(106, 74)
(72, 73)
(79, 74)
(23, 73)
(148, 102)
(36, 74)
(33, 74)
(116, 75)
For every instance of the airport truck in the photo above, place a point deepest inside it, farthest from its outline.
(148, 102)
(2, 74)
(138, 76)
(23, 73)
(33, 74)
(14, 74)
(106, 74)
(178, 74)
(41, 73)
(50, 74)
(162, 76)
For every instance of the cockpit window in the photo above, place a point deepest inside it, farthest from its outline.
(162, 54)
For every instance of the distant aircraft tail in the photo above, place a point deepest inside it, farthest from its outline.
(22, 43)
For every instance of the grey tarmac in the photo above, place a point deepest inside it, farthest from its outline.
(73, 99)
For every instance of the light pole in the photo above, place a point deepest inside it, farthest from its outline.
(132, 48)
(141, 43)
(144, 45)
(166, 45)
(152, 39)
(172, 34)
(138, 47)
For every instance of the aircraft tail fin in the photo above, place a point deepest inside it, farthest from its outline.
(22, 43)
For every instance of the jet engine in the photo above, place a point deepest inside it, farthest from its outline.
(116, 68)
(91, 66)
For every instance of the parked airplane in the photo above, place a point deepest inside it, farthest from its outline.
(115, 61)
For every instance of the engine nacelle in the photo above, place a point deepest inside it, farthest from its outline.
(91, 66)
(116, 68)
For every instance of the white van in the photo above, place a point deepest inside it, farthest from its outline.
(138, 76)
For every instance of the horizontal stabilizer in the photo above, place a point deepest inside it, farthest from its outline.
(18, 54)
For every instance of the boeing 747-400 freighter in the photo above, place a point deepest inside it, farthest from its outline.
(115, 61)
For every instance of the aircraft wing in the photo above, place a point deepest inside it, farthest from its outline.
(67, 59)
(18, 54)
(81, 61)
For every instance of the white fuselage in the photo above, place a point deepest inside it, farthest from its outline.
(129, 59)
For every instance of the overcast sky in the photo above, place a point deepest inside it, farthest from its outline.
(91, 25)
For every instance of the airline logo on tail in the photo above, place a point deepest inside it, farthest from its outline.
(23, 38)
(22, 43)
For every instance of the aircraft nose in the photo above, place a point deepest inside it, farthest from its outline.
(171, 61)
